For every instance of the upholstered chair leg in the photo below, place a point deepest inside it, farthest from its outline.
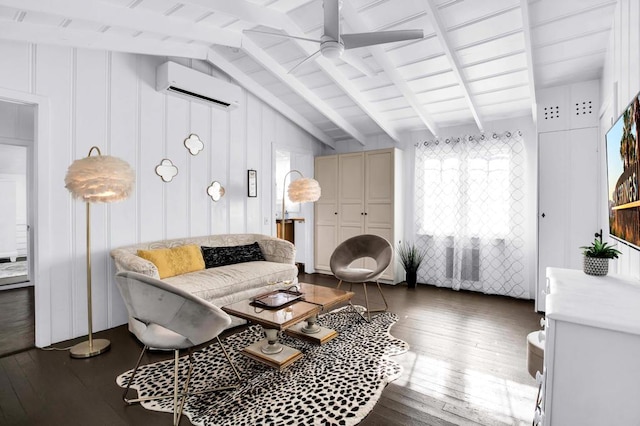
(175, 387)
(185, 389)
(366, 299)
(226, 354)
(233, 367)
(384, 299)
(133, 375)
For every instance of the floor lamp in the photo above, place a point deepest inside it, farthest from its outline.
(303, 190)
(97, 179)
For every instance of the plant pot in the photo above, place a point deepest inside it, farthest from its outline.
(596, 265)
(412, 278)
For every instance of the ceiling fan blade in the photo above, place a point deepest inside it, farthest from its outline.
(280, 35)
(332, 19)
(358, 63)
(368, 39)
(307, 59)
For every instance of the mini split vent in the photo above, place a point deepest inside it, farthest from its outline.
(583, 108)
(551, 113)
(193, 85)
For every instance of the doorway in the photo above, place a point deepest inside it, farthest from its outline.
(16, 144)
(17, 313)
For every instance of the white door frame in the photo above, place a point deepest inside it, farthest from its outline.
(39, 216)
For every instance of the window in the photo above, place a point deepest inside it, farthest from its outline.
(469, 213)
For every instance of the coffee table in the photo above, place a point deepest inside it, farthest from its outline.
(289, 318)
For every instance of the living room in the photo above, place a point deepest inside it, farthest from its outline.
(81, 73)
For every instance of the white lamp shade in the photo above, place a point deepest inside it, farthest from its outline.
(100, 178)
(304, 190)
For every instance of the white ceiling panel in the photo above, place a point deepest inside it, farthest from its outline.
(490, 68)
(465, 13)
(496, 47)
(486, 29)
(472, 66)
(429, 66)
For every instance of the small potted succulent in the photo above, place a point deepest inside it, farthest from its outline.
(411, 257)
(597, 255)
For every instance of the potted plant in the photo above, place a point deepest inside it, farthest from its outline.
(597, 255)
(411, 257)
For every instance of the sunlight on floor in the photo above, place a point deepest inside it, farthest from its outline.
(468, 394)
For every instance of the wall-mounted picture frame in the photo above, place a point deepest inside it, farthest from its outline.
(252, 181)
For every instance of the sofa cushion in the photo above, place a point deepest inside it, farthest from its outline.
(230, 283)
(174, 261)
(222, 256)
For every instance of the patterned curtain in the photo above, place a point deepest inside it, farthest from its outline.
(469, 200)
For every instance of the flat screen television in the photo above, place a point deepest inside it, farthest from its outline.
(623, 170)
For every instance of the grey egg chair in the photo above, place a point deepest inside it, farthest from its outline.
(358, 247)
(170, 319)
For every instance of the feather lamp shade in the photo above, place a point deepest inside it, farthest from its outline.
(100, 179)
(304, 190)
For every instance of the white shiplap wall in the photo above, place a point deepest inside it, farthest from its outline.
(620, 83)
(109, 99)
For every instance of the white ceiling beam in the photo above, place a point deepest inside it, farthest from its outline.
(258, 90)
(33, 33)
(441, 32)
(109, 14)
(526, 26)
(332, 71)
(350, 14)
(280, 72)
(243, 10)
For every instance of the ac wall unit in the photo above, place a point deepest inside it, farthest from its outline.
(195, 86)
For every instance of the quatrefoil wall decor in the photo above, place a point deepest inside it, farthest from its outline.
(193, 144)
(166, 170)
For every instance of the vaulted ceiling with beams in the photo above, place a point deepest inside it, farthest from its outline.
(477, 60)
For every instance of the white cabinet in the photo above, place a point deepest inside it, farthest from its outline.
(363, 197)
(592, 373)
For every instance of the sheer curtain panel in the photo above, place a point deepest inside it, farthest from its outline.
(469, 200)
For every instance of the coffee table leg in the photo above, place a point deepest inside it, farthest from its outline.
(272, 346)
(311, 327)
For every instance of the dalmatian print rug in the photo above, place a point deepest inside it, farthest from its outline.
(337, 383)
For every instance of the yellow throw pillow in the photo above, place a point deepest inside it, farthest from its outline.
(175, 261)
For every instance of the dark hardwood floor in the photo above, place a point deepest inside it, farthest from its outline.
(466, 366)
(17, 320)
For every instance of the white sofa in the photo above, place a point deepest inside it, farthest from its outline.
(224, 284)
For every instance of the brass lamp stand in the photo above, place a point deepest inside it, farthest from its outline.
(90, 347)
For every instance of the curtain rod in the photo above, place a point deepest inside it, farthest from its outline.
(477, 138)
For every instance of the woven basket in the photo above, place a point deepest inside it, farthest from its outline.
(596, 265)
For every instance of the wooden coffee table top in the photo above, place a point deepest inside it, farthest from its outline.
(316, 299)
(324, 296)
(280, 319)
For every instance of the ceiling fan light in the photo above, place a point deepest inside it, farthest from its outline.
(332, 49)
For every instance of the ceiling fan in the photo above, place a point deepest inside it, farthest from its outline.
(333, 44)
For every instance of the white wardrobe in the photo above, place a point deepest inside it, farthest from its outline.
(569, 187)
(361, 194)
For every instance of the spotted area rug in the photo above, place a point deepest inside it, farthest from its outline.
(337, 383)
